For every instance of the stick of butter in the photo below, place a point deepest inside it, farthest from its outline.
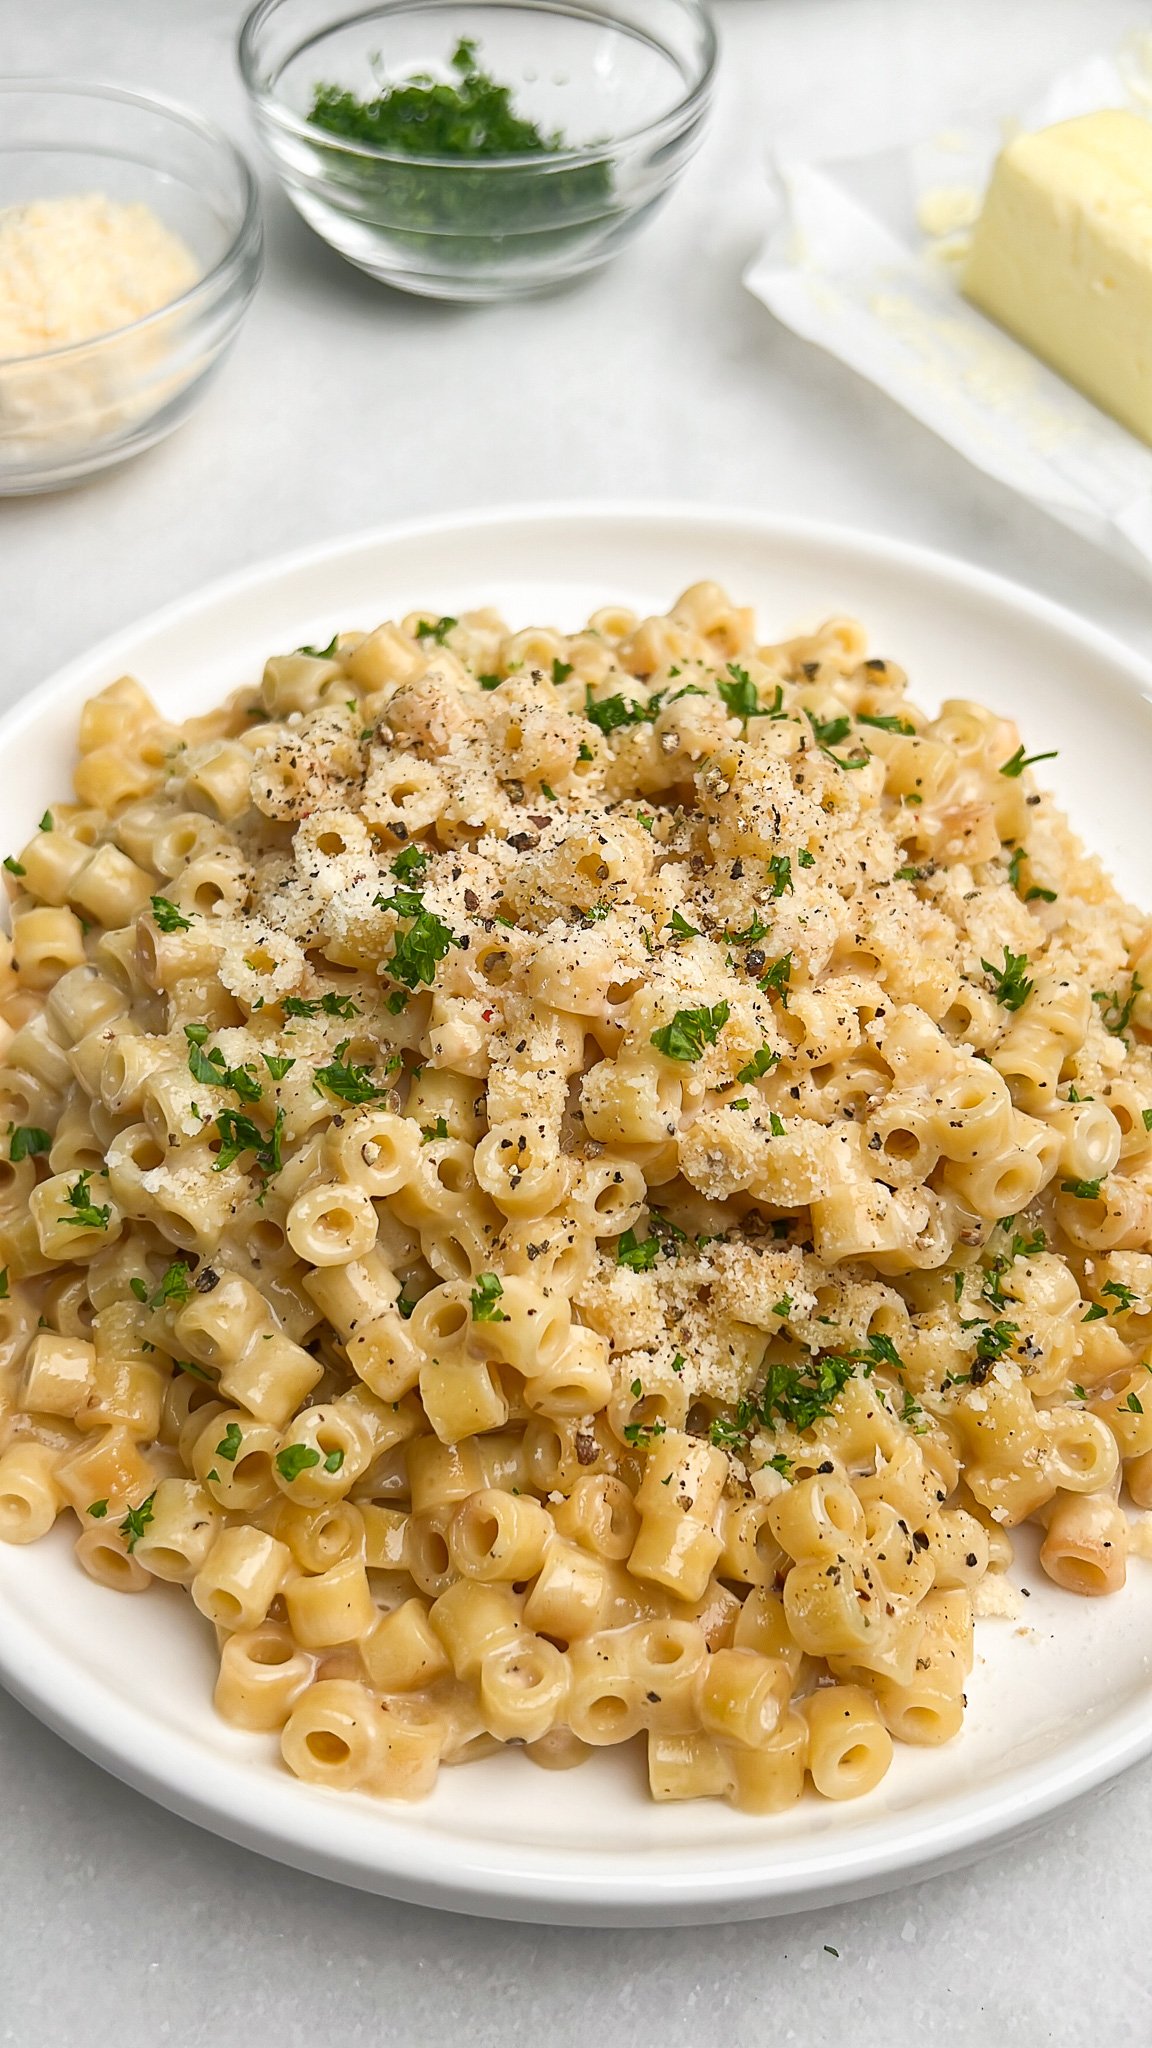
(1062, 256)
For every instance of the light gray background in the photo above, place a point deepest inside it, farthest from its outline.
(344, 406)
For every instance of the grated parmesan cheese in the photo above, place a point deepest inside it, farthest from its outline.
(995, 1597)
(73, 268)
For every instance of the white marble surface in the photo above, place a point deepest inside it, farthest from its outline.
(344, 406)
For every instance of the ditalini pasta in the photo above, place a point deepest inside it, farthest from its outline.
(572, 1188)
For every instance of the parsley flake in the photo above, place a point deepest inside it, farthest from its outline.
(136, 1521)
(485, 1297)
(761, 1062)
(350, 1083)
(437, 631)
(167, 917)
(87, 1215)
(295, 1459)
(690, 1031)
(640, 1254)
(1019, 761)
(230, 1442)
(25, 1141)
(1010, 983)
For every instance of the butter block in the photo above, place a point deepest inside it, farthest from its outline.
(1061, 256)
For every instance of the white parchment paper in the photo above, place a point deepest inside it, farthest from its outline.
(863, 259)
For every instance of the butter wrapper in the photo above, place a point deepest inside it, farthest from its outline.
(864, 260)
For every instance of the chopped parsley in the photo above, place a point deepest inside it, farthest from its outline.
(741, 699)
(890, 722)
(640, 1433)
(136, 1521)
(238, 1134)
(777, 978)
(485, 1297)
(611, 713)
(437, 631)
(1084, 1190)
(3, 1283)
(409, 866)
(434, 1134)
(780, 874)
(25, 1141)
(640, 1254)
(1010, 983)
(751, 934)
(911, 1414)
(98, 1510)
(167, 917)
(1114, 1015)
(680, 927)
(277, 1064)
(13, 866)
(211, 1069)
(350, 1083)
(806, 859)
(882, 1351)
(329, 1005)
(830, 732)
(561, 670)
(761, 1062)
(994, 1340)
(175, 1287)
(796, 1395)
(229, 1444)
(1133, 1402)
(322, 653)
(690, 1031)
(87, 1215)
(418, 951)
(295, 1459)
(1019, 761)
(46, 824)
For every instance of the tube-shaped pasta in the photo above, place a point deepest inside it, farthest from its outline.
(240, 1577)
(499, 1536)
(849, 1748)
(1085, 1548)
(262, 1676)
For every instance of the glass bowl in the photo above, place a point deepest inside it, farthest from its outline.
(625, 83)
(74, 410)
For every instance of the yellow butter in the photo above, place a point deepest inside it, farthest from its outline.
(1062, 256)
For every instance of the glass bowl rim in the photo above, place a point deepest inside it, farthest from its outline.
(675, 117)
(246, 240)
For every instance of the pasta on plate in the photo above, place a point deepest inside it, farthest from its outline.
(575, 1187)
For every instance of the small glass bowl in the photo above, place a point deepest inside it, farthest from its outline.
(75, 410)
(625, 82)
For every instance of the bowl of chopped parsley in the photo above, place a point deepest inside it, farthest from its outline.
(478, 151)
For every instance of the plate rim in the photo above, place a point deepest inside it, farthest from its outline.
(384, 1849)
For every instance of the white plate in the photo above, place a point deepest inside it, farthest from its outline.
(1056, 1706)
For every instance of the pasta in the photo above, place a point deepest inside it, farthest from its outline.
(573, 1188)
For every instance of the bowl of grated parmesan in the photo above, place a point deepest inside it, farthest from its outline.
(130, 248)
